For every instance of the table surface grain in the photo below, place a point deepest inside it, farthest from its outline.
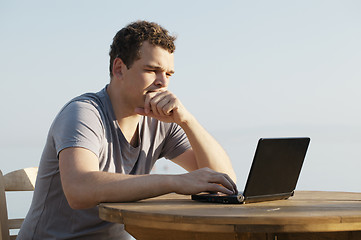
(306, 211)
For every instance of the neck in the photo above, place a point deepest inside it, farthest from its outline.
(121, 106)
(126, 117)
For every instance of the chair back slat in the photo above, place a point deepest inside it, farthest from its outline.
(19, 180)
(4, 227)
(15, 223)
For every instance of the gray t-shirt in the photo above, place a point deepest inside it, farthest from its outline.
(88, 121)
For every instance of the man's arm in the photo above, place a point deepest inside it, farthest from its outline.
(206, 151)
(85, 186)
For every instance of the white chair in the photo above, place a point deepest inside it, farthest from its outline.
(19, 180)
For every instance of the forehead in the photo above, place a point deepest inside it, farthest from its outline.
(155, 55)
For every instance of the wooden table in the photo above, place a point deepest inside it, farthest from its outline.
(307, 215)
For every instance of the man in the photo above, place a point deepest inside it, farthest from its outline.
(102, 146)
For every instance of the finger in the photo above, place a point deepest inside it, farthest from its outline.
(218, 178)
(170, 106)
(157, 99)
(148, 98)
(140, 111)
(161, 105)
(153, 107)
(232, 182)
(147, 101)
(213, 187)
(225, 182)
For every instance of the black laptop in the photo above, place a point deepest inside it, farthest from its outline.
(274, 172)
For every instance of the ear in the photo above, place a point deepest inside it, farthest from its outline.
(118, 68)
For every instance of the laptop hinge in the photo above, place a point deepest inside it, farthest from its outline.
(270, 197)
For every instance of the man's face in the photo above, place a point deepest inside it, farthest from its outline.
(149, 73)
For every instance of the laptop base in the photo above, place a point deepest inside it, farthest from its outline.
(239, 199)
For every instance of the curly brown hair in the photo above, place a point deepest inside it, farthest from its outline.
(127, 42)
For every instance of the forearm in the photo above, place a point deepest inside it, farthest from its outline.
(85, 186)
(88, 189)
(208, 152)
(115, 187)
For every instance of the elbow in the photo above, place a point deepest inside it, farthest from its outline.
(79, 199)
(234, 177)
(78, 205)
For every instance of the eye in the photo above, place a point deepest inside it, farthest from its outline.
(150, 70)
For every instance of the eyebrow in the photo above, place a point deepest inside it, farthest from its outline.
(159, 68)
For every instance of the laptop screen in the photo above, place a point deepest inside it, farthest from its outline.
(276, 166)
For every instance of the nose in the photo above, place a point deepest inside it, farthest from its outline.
(162, 80)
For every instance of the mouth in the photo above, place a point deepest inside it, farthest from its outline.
(154, 91)
(150, 91)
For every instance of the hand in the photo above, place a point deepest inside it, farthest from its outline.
(164, 106)
(205, 180)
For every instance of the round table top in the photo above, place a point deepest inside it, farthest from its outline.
(309, 211)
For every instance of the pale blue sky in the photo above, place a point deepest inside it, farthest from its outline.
(245, 69)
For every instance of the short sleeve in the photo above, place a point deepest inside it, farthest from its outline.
(176, 142)
(78, 125)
